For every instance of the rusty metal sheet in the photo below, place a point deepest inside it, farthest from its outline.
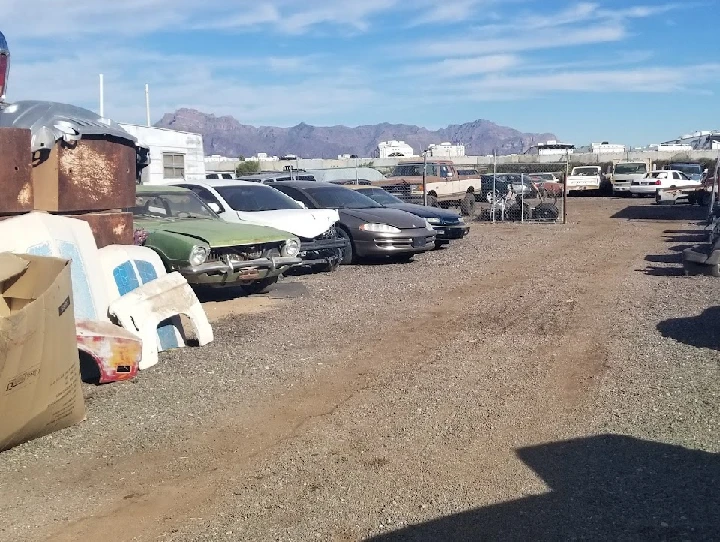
(87, 175)
(16, 195)
(110, 228)
(115, 351)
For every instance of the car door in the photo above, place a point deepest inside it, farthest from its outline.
(449, 180)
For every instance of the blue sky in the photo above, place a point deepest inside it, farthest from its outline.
(612, 70)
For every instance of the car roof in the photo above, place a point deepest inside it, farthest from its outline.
(226, 182)
(148, 188)
(307, 184)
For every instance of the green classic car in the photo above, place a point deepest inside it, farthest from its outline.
(206, 250)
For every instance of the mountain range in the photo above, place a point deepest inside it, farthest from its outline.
(226, 136)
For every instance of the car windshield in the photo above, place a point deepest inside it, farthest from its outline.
(687, 169)
(337, 197)
(175, 205)
(408, 170)
(630, 168)
(250, 198)
(379, 195)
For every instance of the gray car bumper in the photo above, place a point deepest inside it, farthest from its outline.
(269, 265)
(382, 244)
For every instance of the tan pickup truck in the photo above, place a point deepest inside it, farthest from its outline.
(444, 186)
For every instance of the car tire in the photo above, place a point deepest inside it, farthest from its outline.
(432, 201)
(467, 205)
(329, 267)
(260, 286)
(348, 253)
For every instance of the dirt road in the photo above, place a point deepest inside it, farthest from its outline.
(382, 397)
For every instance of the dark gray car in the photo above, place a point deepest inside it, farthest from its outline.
(371, 229)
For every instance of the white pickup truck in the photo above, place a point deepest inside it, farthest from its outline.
(584, 178)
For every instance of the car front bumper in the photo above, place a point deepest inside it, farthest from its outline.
(624, 187)
(450, 231)
(410, 241)
(237, 272)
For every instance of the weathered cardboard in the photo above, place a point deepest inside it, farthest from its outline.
(40, 386)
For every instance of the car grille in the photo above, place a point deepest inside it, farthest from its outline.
(238, 253)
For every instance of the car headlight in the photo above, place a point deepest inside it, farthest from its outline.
(380, 228)
(198, 255)
(461, 220)
(434, 221)
(291, 248)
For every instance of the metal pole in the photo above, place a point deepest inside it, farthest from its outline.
(494, 190)
(147, 103)
(102, 96)
(565, 186)
(522, 197)
(357, 181)
(424, 178)
(714, 193)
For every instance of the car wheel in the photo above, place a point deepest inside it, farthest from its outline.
(467, 205)
(403, 258)
(347, 253)
(432, 201)
(260, 286)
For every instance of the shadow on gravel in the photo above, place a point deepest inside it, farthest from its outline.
(663, 258)
(697, 238)
(663, 271)
(700, 331)
(662, 212)
(608, 487)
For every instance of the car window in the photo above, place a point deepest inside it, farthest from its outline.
(379, 195)
(630, 168)
(259, 197)
(171, 205)
(337, 197)
(297, 195)
(204, 194)
(212, 176)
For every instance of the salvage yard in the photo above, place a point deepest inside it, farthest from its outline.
(470, 394)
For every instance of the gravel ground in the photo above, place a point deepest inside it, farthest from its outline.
(485, 391)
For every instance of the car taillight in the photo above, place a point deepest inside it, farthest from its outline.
(4, 64)
(658, 182)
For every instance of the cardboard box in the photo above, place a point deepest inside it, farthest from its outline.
(110, 228)
(86, 175)
(15, 171)
(40, 386)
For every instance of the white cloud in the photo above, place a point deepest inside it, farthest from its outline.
(520, 42)
(454, 67)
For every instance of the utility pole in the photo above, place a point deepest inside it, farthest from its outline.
(102, 96)
(424, 178)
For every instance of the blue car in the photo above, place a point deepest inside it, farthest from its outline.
(447, 224)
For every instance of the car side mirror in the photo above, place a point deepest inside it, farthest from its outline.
(215, 207)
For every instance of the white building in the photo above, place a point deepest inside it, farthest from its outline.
(699, 141)
(672, 147)
(173, 154)
(551, 148)
(392, 149)
(606, 148)
(446, 150)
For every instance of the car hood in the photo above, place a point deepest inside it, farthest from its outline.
(425, 212)
(216, 233)
(308, 223)
(385, 215)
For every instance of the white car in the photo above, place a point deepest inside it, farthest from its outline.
(654, 180)
(256, 203)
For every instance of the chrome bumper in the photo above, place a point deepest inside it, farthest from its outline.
(233, 266)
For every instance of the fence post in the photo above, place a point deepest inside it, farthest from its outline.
(565, 186)
(522, 197)
(494, 192)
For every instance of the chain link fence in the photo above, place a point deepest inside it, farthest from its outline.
(522, 193)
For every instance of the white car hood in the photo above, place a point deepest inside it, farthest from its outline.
(307, 223)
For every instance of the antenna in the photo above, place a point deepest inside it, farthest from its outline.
(102, 96)
(147, 103)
